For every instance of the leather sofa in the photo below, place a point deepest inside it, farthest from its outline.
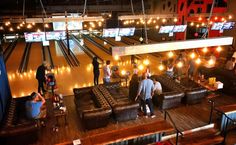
(194, 93)
(16, 127)
(123, 108)
(92, 108)
(170, 96)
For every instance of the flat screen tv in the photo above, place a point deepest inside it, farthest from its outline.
(228, 25)
(56, 35)
(72, 25)
(179, 28)
(34, 36)
(217, 26)
(113, 32)
(166, 29)
(126, 31)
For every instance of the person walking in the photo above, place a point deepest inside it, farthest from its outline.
(146, 91)
(40, 76)
(95, 71)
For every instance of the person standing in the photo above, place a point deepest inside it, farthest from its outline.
(191, 69)
(146, 91)
(40, 76)
(133, 87)
(95, 71)
(107, 73)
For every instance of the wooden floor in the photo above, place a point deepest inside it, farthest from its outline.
(186, 118)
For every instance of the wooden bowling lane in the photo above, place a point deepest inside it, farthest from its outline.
(35, 56)
(101, 42)
(57, 56)
(14, 60)
(97, 50)
(83, 58)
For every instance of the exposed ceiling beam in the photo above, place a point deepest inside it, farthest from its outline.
(133, 17)
(169, 46)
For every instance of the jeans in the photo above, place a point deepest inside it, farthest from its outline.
(106, 80)
(150, 105)
(40, 86)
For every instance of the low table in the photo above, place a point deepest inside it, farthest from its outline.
(58, 113)
(204, 83)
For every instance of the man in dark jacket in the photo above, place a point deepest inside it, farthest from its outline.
(95, 70)
(40, 76)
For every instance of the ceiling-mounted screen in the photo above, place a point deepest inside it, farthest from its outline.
(217, 26)
(166, 29)
(179, 28)
(34, 36)
(110, 32)
(228, 25)
(126, 31)
(56, 35)
(40, 36)
(72, 25)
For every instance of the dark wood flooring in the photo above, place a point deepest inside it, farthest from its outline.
(185, 117)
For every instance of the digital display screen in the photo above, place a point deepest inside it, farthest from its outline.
(126, 32)
(40, 36)
(34, 37)
(56, 35)
(228, 25)
(217, 26)
(110, 32)
(166, 29)
(72, 25)
(179, 28)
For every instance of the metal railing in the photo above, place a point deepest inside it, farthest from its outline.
(228, 119)
(177, 130)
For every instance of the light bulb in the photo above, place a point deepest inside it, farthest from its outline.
(218, 49)
(170, 54)
(205, 50)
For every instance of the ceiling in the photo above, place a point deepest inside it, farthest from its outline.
(14, 8)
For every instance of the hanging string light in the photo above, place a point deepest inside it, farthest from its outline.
(170, 54)
(218, 49)
(205, 50)
(198, 61)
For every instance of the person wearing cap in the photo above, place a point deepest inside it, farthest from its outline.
(35, 106)
(40, 76)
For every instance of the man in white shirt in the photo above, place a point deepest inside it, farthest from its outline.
(157, 87)
(107, 73)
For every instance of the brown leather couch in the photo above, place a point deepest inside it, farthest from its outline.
(170, 97)
(123, 108)
(194, 93)
(92, 108)
(16, 128)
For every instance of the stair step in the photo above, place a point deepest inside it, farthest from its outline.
(203, 137)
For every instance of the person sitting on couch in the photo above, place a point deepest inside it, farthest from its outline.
(35, 107)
